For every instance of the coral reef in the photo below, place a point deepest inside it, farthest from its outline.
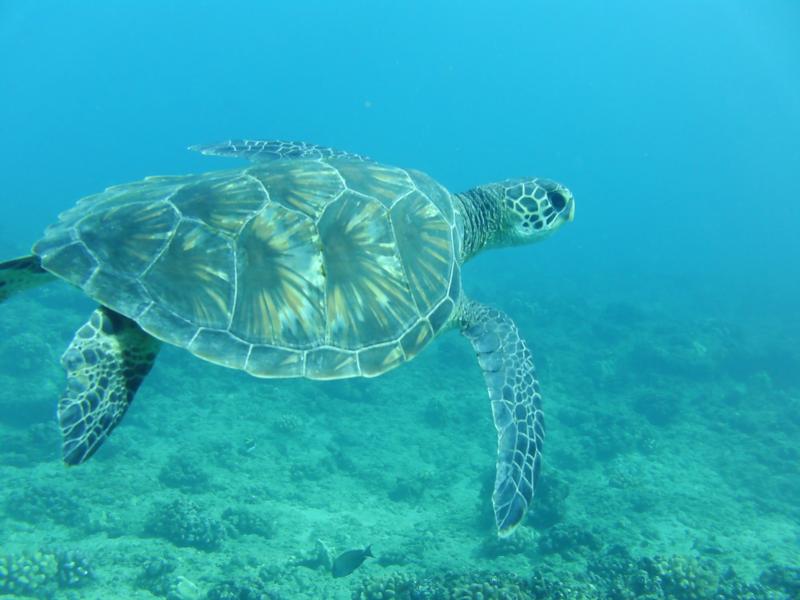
(74, 569)
(40, 574)
(522, 542)
(449, 586)
(288, 424)
(26, 574)
(183, 523)
(638, 454)
(612, 575)
(784, 578)
(567, 540)
(620, 577)
(250, 589)
(682, 577)
(157, 575)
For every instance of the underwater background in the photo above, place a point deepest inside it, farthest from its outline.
(664, 321)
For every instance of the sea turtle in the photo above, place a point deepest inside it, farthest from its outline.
(311, 262)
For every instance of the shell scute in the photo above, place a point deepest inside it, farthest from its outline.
(125, 238)
(280, 283)
(384, 184)
(306, 186)
(424, 241)
(416, 338)
(269, 361)
(331, 363)
(72, 259)
(193, 276)
(163, 323)
(224, 202)
(220, 347)
(120, 293)
(379, 359)
(368, 300)
(434, 192)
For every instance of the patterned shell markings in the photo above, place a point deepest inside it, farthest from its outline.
(322, 269)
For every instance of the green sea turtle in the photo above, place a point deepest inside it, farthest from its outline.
(311, 262)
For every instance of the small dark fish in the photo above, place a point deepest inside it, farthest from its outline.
(349, 561)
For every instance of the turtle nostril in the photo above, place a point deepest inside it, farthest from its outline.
(557, 200)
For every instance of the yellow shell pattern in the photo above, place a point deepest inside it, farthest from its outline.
(294, 268)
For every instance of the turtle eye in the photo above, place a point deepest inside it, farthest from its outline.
(557, 200)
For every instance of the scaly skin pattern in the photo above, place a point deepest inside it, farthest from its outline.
(105, 363)
(510, 377)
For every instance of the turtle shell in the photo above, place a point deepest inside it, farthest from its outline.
(316, 268)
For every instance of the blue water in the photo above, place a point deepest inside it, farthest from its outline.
(675, 124)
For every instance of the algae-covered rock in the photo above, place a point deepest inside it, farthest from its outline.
(783, 578)
(239, 521)
(550, 502)
(183, 473)
(661, 407)
(394, 557)
(411, 488)
(41, 503)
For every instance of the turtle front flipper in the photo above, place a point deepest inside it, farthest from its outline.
(516, 406)
(20, 274)
(264, 150)
(105, 363)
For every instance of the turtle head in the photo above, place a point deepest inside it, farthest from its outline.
(534, 208)
(513, 212)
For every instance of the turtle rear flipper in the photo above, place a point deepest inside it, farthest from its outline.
(106, 362)
(516, 407)
(264, 150)
(20, 274)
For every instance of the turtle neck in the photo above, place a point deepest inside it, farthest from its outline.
(481, 210)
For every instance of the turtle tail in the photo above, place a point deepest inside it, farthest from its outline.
(20, 274)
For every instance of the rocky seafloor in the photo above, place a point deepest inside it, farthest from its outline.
(671, 472)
